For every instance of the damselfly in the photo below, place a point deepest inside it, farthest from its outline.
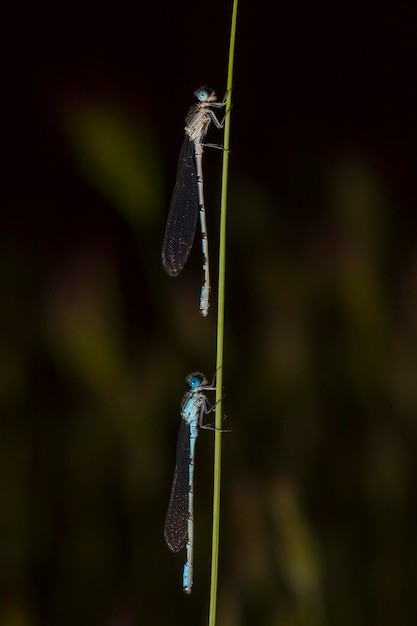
(179, 524)
(188, 197)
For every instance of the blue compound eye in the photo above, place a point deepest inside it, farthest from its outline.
(194, 382)
(202, 95)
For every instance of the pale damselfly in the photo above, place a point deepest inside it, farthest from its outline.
(188, 196)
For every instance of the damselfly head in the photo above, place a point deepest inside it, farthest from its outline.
(205, 94)
(196, 379)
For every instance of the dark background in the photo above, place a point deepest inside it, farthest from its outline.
(320, 378)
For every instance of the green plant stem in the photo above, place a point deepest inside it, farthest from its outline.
(220, 332)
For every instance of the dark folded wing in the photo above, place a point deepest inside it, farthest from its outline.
(183, 212)
(176, 524)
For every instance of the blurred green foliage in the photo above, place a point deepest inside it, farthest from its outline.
(319, 514)
(117, 156)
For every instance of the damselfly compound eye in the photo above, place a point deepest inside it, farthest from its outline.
(202, 95)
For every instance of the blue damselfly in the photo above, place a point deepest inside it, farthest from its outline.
(179, 524)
